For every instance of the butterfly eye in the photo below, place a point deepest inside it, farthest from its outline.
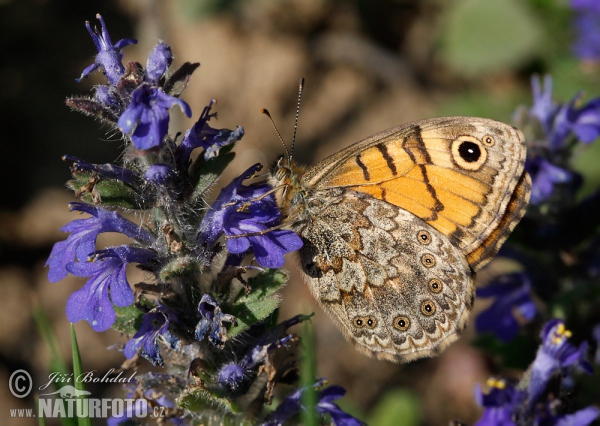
(401, 323)
(424, 237)
(435, 285)
(428, 308)
(427, 260)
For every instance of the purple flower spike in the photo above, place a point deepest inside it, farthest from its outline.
(155, 325)
(107, 270)
(247, 222)
(109, 55)
(211, 323)
(512, 291)
(84, 232)
(292, 406)
(159, 61)
(555, 354)
(148, 113)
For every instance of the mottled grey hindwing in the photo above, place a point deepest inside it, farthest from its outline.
(391, 282)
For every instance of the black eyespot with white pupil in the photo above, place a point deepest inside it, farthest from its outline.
(435, 285)
(469, 151)
(427, 260)
(401, 323)
(424, 237)
(428, 308)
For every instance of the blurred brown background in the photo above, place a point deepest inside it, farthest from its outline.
(368, 65)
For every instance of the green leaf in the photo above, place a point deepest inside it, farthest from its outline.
(260, 303)
(395, 405)
(112, 192)
(487, 36)
(179, 267)
(77, 372)
(199, 399)
(129, 319)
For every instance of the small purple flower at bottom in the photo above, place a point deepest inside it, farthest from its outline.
(292, 406)
(109, 55)
(248, 216)
(82, 241)
(211, 324)
(499, 403)
(107, 270)
(512, 291)
(148, 114)
(155, 325)
(554, 355)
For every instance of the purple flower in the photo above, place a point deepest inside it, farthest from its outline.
(247, 220)
(544, 108)
(155, 325)
(553, 356)
(512, 292)
(201, 135)
(586, 24)
(109, 56)
(499, 404)
(544, 176)
(107, 271)
(148, 113)
(159, 61)
(212, 322)
(84, 232)
(291, 406)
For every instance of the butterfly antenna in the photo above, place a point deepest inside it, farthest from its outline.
(300, 89)
(266, 112)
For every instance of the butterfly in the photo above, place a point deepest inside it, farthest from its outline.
(395, 227)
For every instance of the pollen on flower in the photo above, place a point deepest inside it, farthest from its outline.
(561, 334)
(496, 383)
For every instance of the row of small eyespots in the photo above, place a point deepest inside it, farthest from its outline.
(401, 322)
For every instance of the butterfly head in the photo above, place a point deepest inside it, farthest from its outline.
(285, 178)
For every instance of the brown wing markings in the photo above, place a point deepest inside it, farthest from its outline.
(514, 212)
(388, 159)
(414, 146)
(364, 168)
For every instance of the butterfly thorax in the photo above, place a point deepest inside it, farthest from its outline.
(290, 192)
